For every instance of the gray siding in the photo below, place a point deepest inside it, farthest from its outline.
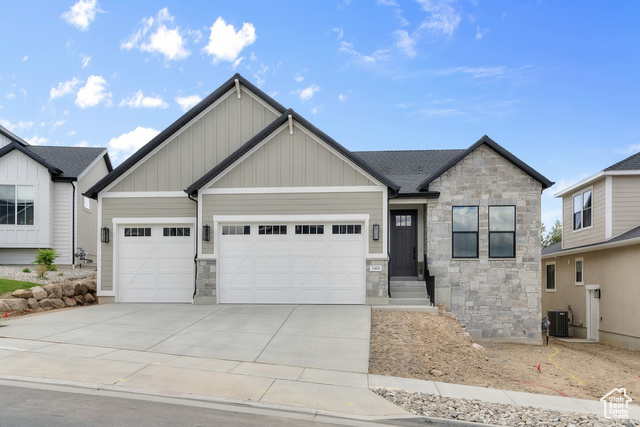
(297, 160)
(295, 204)
(87, 219)
(200, 145)
(626, 203)
(62, 215)
(152, 207)
(586, 236)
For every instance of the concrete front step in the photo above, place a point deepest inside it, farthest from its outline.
(414, 308)
(397, 293)
(409, 301)
(409, 283)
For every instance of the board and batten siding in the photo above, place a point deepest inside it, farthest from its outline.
(297, 160)
(200, 145)
(133, 207)
(626, 203)
(296, 204)
(19, 169)
(596, 233)
(62, 217)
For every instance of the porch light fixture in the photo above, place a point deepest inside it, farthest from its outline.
(206, 233)
(376, 232)
(104, 235)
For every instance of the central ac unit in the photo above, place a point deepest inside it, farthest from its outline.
(559, 323)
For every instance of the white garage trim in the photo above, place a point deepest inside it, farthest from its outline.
(286, 190)
(115, 239)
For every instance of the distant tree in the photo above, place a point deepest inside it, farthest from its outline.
(553, 236)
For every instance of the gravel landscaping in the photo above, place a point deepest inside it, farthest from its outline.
(14, 272)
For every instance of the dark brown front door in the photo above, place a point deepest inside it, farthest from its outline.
(403, 243)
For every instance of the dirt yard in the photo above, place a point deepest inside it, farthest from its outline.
(437, 348)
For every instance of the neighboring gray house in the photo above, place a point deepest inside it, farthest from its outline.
(272, 210)
(41, 201)
(595, 269)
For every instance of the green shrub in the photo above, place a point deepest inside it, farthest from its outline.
(41, 270)
(26, 270)
(46, 257)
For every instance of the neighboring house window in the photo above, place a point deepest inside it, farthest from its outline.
(551, 277)
(176, 231)
(347, 229)
(582, 207)
(272, 229)
(17, 204)
(579, 270)
(87, 203)
(465, 232)
(236, 230)
(137, 232)
(309, 229)
(502, 231)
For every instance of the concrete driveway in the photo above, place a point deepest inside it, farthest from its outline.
(323, 337)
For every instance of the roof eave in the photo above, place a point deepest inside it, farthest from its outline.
(17, 146)
(592, 248)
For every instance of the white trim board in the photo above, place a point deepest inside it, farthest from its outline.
(143, 194)
(95, 161)
(164, 220)
(288, 190)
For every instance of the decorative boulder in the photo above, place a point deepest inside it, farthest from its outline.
(38, 293)
(79, 299)
(16, 304)
(46, 303)
(68, 302)
(33, 303)
(89, 298)
(22, 293)
(92, 286)
(53, 290)
(80, 289)
(58, 303)
(4, 307)
(68, 289)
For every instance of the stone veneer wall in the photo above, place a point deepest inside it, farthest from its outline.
(377, 283)
(206, 281)
(494, 298)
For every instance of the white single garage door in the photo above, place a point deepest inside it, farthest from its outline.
(291, 263)
(155, 263)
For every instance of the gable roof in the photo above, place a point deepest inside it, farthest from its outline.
(24, 150)
(630, 163)
(408, 168)
(4, 131)
(177, 125)
(424, 185)
(72, 161)
(260, 136)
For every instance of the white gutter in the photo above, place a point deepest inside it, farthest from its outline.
(594, 178)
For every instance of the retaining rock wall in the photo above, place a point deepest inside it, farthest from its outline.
(49, 297)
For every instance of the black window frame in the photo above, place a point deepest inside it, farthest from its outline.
(548, 276)
(176, 232)
(346, 229)
(584, 217)
(454, 233)
(226, 230)
(579, 275)
(272, 229)
(24, 211)
(146, 232)
(310, 229)
(513, 233)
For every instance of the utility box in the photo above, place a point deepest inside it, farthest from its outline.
(559, 323)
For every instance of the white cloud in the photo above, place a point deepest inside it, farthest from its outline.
(57, 124)
(10, 95)
(388, 2)
(376, 57)
(82, 14)
(126, 144)
(307, 93)
(24, 92)
(259, 74)
(225, 43)
(37, 140)
(480, 32)
(85, 59)
(342, 97)
(140, 101)
(443, 18)
(20, 125)
(340, 32)
(298, 78)
(475, 72)
(25, 58)
(82, 144)
(93, 93)
(64, 88)
(156, 37)
(317, 109)
(405, 43)
(186, 102)
(72, 133)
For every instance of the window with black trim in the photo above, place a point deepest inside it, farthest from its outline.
(310, 229)
(231, 230)
(465, 231)
(176, 231)
(346, 229)
(502, 231)
(137, 232)
(403, 220)
(579, 272)
(272, 229)
(17, 204)
(551, 277)
(582, 208)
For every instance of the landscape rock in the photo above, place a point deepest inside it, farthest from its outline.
(79, 299)
(4, 307)
(46, 303)
(38, 293)
(16, 304)
(33, 303)
(53, 290)
(89, 298)
(22, 293)
(58, 303)
(47, 308)
(68, 289)
(69, 302)
(79, 289)
(92, 286)
(436, 373)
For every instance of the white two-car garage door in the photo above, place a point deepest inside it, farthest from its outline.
(155, 263)
(291, 263)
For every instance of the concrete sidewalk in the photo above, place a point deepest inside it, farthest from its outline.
(323, 391)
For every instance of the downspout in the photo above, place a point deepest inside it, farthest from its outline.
(195, 257)
(73, 225)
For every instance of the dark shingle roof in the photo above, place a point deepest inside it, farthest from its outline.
(408, 168)
(630, 163)
(72, 161)
(556, 247)
(634, 233)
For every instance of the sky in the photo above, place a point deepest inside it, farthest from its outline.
(557, 83)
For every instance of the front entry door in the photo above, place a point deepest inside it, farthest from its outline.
(403, 243)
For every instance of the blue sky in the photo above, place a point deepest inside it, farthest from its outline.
(556, 83)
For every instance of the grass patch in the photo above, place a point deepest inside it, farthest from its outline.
(7, 285)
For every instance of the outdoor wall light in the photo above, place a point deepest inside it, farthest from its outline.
(104, 235)
(206, 233)
(376, 232)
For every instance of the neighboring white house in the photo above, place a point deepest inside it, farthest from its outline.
(41, 201)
